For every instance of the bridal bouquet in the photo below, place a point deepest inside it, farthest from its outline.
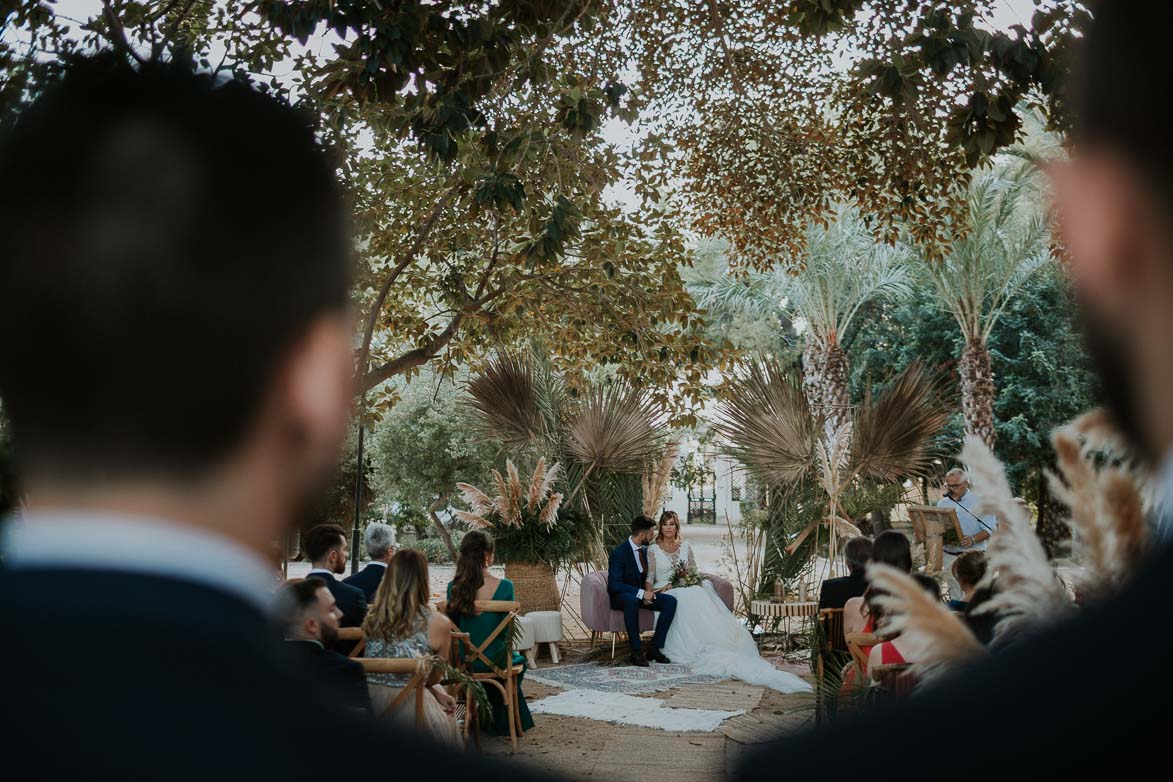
(684, 575)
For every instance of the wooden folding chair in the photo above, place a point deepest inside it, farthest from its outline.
(830, 643)
(894, 680)
(503, 677)
(420, 671)
(354, 634)
(856, 643)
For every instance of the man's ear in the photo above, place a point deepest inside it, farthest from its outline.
(311, 627)
(319, 380)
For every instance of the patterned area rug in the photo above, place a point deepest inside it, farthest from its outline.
(627, 679)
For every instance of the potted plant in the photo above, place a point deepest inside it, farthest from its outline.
(532, 538)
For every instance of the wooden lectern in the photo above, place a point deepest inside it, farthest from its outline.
(934, 526)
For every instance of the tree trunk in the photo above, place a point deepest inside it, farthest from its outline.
(977, 391)
(1051, 528)
(826, 373)
(439, 525)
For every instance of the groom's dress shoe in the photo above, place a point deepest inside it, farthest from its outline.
(640, 660)
(659, 657)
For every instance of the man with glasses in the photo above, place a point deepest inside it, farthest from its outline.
(976, 527)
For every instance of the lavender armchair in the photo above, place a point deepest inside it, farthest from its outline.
(600, 618)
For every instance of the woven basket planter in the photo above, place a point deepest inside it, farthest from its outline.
(535, 586)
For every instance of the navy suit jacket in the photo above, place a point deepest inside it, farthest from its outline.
(623, 576)
(350, 599)
(367, 579)
(341, 674)
(149, 677)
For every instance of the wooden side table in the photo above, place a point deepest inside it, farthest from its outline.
(768, 609)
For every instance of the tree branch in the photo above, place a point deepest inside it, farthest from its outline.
(380, 300)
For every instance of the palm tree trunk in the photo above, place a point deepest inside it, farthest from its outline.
(977, 390)
(825, 380)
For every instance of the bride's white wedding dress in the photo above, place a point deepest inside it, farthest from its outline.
(708, 637)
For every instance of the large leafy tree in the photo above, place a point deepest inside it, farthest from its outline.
(783, 109)
(423, 446)
(469, 138)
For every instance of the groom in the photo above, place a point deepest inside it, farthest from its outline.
(627, 573)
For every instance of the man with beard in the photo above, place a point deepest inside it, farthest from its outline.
(1045, 708)
(311, 618)
(176, 370)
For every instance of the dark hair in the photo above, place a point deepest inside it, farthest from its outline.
(969, 568)
(876, 610)
(296, 596)
(177, 235)
(1122, 55)
(857, 552)
(321, 539)
(470, 574)
(892, 548)
(640, 524)
(929, 584)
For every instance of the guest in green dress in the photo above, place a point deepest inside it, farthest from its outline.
(474, 582)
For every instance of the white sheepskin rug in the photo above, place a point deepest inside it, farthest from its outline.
(629, 710)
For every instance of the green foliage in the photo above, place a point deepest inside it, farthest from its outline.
(1044, 375)
(433, 548)
(422, 446)
(535, 543)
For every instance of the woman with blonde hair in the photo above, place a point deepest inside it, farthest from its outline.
(401, 624)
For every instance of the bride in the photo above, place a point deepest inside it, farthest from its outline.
(705, 634)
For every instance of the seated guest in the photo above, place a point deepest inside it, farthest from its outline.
(311, 619)
(835, 592)
(890, 548)
(892, 651)
(379, 541)
(968, 569)
(474, 582)
(325, 545)
(401, 624)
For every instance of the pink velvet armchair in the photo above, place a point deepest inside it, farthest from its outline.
(600, 618)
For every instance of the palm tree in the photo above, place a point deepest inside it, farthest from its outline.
(1004, 244)
(844, 269)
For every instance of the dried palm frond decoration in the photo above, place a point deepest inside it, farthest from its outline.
(616, 428)
(770, 428)
(1029, 593)
(503, 396)
(936, 638)
(1106, 498)
(655, 481)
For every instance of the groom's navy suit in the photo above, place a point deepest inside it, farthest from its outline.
(624, 581)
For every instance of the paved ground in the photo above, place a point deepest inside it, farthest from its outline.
(582, 749)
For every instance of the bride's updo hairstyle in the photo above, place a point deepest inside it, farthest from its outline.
(470, 573)
(669, 515)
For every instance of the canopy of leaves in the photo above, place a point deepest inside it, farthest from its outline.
(783, 109)
(468, 137)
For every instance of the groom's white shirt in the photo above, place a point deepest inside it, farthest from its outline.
(636, 549)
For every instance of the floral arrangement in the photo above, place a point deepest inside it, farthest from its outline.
(685, 575)
(523, 518)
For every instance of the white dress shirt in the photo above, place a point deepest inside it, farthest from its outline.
(639, 565)
(137, 544)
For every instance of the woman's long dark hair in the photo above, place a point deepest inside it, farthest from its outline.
(470, 574)
(892, 548)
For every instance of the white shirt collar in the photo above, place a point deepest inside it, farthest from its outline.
(634, 545)
(321, 570)
(138, 544)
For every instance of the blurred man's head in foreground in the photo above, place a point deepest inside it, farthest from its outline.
(173, 297)
(1115, 203)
